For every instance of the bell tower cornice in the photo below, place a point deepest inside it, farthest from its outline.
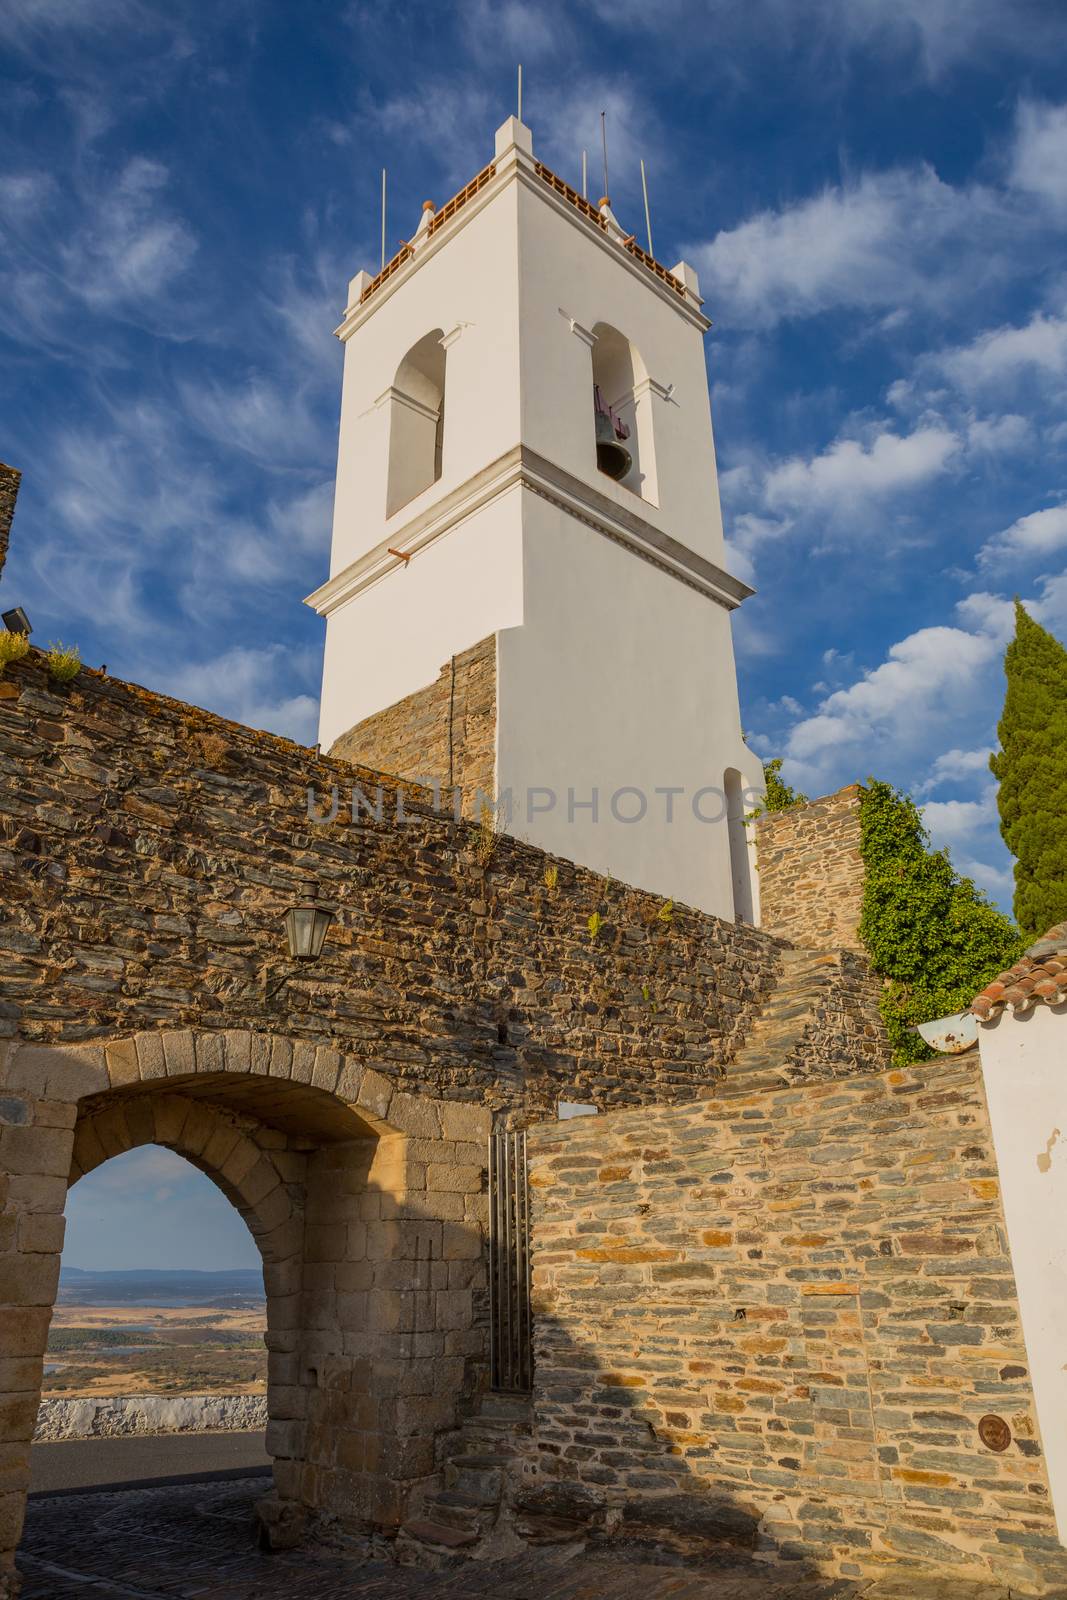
(514, 163)
(523, 468)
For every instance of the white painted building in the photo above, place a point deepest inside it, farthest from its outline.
(470, 505)
(1022, 1039)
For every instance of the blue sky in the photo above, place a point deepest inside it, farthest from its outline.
(873, 191)
(151, 1208)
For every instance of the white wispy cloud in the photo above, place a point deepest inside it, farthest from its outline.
(270, 421)
(924, 677)
(955, 822)
(148, 1167)
(901, 714)
(1000, 354)
(129, 246)
(24, 191)
(849, 470)
(1039, 156)
(875, 241)
(23, 20)
(1001, 435)
(998, 882)
(932, 37)
(251, 685)
(1038, 534)
(955, 767)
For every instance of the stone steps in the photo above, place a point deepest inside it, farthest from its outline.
(761, 1062)
(460, 1511)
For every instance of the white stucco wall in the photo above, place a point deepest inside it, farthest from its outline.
(620, 678)
(1024, 1063)
(395, 636)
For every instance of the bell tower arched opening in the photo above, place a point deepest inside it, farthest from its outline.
(622, 413)
(416, 422)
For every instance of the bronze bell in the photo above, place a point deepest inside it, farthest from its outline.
(612, 456)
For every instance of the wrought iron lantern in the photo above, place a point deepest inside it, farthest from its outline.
(305, 929)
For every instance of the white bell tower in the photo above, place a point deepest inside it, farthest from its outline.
(481, 501)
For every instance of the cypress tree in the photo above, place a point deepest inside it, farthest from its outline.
(1031, 769)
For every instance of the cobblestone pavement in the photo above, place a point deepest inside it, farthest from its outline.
(196, 1542)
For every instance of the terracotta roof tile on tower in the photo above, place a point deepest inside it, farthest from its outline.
(1040, 976)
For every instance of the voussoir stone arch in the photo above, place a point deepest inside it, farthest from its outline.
(153, 1056)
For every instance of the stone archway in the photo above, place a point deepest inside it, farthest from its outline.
(368, 1207)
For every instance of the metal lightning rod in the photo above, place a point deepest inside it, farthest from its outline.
(648, 219)
(604, 143)
(383, 219)
(520, 91)
(585, 175)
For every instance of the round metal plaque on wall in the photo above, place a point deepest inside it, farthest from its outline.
(994, 1433)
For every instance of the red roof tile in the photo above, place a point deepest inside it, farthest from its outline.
(1040, 976)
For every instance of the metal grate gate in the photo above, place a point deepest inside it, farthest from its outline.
(510, 1325)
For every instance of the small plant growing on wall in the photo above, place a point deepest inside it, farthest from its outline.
(487, 839)
(13, 646)
(779, 795)
(551, 877)
(665, 914)
(594, 923)
(64, 662)
(211, 748)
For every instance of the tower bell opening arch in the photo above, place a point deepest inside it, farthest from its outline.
(621, 383)
(416, 422)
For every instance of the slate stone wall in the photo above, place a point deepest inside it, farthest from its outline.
(784, 1314)
(811, 872)
(10, 478)
(148, 852)
(445, 733)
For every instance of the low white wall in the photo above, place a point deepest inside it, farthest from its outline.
(151, 1413)
(1026, 1087)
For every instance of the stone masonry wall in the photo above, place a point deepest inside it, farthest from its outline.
(781, 1316)
(148, 852)
(9, 488)
(445, 732)
(811, 872)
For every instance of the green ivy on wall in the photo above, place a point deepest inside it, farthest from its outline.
(780, 796)
(932, 934)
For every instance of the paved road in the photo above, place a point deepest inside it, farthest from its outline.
(96, 1463)
(196, 1542)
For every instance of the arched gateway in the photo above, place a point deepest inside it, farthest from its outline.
(367, 1205)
